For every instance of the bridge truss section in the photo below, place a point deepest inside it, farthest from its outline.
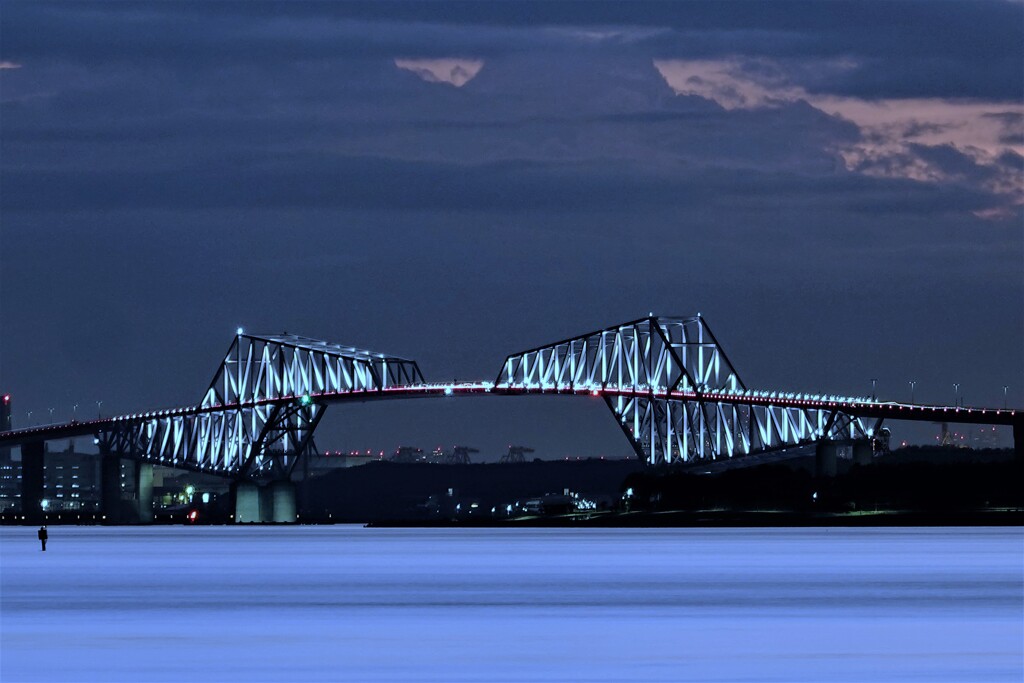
(674, 392)
(258, 416)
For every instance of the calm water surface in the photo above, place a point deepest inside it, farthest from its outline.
(347, 603)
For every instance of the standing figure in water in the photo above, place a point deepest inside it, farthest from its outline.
(42, 537)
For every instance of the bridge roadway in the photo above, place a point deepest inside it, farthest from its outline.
(856, 407)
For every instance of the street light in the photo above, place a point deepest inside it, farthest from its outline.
(99, 404)
(956, 393)
(30, 418)
(913, 383)
(1005, 387)
(51, 415)
(74, 412)
(873, 383)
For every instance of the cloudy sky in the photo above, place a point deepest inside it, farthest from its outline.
(837, 187)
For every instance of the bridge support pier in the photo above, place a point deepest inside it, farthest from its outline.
(266, 504)
(144, 491)
(110, 488)
(1018, 439)
(274, 502)
(32, 481)
(827, 455)
(283, 502)
(825, 458)
(863, 453)
(247, 502)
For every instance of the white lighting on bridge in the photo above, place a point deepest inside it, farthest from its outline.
(669, 385)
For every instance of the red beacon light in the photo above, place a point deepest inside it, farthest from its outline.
(7, 398)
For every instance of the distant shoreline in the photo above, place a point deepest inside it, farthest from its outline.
(910, 488)
(644, 519)
(686, 519)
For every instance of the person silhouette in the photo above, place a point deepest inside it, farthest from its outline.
(42, 536)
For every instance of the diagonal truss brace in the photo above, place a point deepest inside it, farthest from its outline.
(637, 367)
(260, 412)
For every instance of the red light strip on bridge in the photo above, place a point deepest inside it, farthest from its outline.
(473, 388)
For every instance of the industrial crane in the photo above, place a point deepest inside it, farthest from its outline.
(515, 454)
(459, 455)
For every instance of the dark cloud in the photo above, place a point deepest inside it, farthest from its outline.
(917, 128)
(386, 184)
(911, 49)
(170, 171)
(1013, 126)
(952, 162)
(1012, 160)
(1009, 118)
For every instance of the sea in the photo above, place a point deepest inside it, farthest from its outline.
(348, 603)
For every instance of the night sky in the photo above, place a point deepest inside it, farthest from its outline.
(838, 188)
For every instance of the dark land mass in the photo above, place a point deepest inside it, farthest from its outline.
(909, 487)
(925, 486)
(386, 491)
(726, 519)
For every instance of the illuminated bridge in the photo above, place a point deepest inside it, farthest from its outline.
(667, 381)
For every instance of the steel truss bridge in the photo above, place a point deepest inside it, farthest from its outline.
(667, 381)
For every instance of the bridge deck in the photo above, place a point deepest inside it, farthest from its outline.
(856, 407)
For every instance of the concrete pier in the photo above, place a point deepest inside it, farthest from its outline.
(247, 502)
(274, 502)
(283, 497)
(825, 459)
(828, 453)
(1018, 439)
(144, 491)
(863, 452)
(266, 504)
(110, 488)
(32, 481)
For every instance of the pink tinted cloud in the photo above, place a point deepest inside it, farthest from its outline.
(453, 71)
(893, 131)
